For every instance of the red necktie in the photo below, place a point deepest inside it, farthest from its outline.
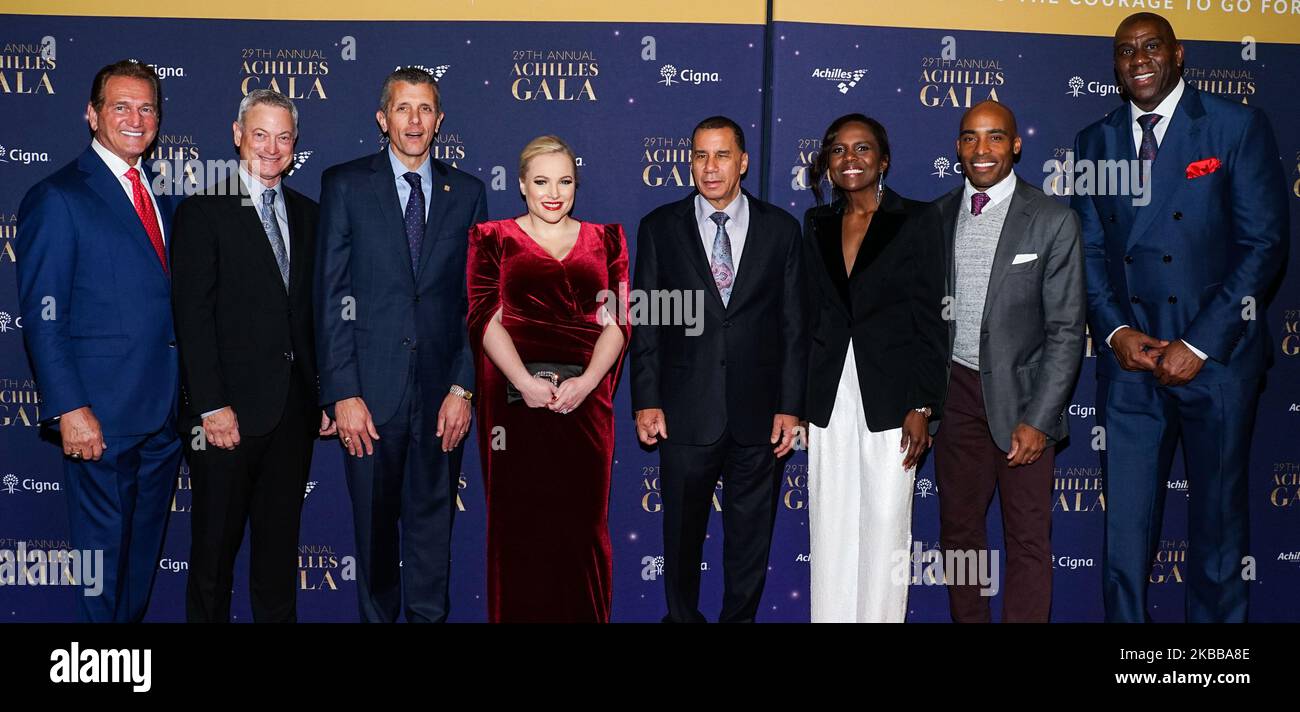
(144, 208)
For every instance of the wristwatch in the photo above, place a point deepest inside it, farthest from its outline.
(461, 392)
(924, 411)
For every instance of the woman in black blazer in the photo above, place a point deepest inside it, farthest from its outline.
(876, 372)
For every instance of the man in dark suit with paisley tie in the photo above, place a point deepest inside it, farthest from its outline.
(732, 396)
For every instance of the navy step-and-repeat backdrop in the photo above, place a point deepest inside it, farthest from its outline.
(625, 86)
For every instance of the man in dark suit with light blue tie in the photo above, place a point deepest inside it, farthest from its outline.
(392, 351)
(96, 300)
(1176, 278)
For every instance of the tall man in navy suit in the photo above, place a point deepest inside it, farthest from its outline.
(96, 301)
(392, 350)
(1174, 287)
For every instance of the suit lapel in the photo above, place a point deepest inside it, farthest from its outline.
(440, 198)
(757, 251)
(691, 246)
(828, 228)
(1014, 228)
(1168, 174)
(105, 184)
(298, 238)
(384, 184)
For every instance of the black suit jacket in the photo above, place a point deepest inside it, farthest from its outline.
(238, 330)
(748, 362)
(891, 307)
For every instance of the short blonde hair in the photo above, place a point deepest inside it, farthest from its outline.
(541, 146)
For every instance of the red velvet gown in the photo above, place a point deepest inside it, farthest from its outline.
(546, 475)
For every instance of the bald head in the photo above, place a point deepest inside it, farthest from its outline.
(999, 112)
(1158, 20)
(988, 143)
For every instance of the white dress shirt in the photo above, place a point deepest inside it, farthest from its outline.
(998, 192)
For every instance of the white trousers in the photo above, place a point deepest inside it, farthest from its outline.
(860, 514)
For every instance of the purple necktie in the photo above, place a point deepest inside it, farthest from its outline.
(977, 203)
(414, 219)
(1149, 145)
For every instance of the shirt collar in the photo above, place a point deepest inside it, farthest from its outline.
(997, 192)
(1165, 109)
(116, 165)
(255, 187)
(734, 210)
(399, 169)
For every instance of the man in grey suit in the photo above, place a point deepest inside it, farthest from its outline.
(1016, 334)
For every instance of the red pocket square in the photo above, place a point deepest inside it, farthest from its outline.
(1203, 167)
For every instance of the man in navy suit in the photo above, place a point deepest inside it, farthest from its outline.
(1174, 287)
(96, 300)
(392, 351)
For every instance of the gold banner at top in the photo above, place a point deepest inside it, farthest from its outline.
(729, 12)
(1220, 20)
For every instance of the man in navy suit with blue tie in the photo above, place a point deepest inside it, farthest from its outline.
(392, 351)
(96, 301)
(1174, 288)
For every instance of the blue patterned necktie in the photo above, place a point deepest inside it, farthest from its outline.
(414, 219)
(1149, 144)
(272, 227)
(723, 272)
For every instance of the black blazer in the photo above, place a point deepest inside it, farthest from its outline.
(237, 329)
(891, 307)
(748, 362)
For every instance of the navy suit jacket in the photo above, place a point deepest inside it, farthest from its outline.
(1190, 264)
(373, 315)
(96, 302)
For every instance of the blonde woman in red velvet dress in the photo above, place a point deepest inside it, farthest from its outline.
(548, 350)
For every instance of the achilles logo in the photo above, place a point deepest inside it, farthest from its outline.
(1295, 408)
(1291, 556)
(437, 71)
(845, 79)
(299, 159)
(127, 665)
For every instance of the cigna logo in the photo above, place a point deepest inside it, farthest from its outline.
(671, 75)
(1079, 87)
(11, 154)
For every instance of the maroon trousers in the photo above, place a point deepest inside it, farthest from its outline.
(968, 466)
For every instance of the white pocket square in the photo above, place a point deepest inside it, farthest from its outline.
(1024, 257)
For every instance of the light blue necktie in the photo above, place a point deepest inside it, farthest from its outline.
(272, 227)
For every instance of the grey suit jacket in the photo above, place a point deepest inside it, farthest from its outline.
(1032, 336)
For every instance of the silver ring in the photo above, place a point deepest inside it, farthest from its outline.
(76, 455)
(347, 440)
